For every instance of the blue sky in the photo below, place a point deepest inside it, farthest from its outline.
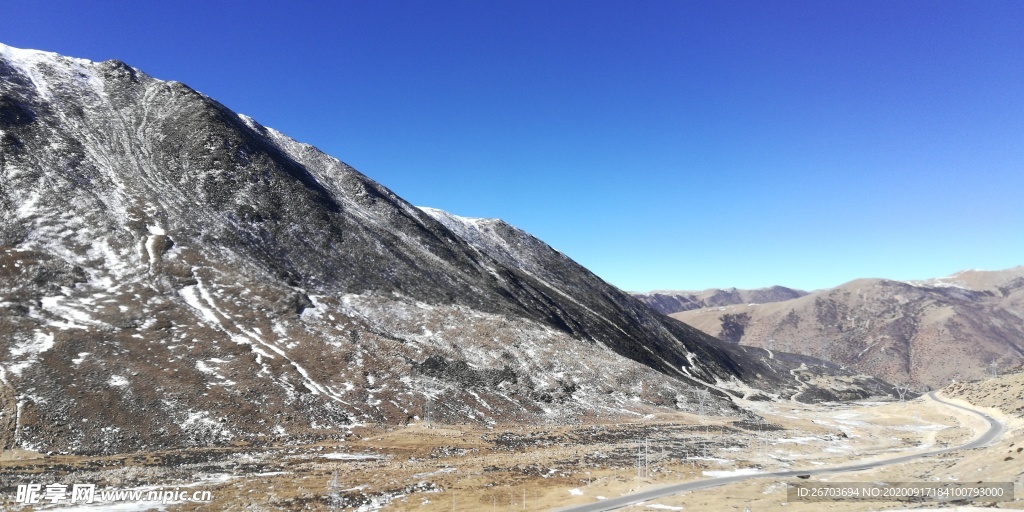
(662, 144)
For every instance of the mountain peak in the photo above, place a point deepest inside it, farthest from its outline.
(442, 214)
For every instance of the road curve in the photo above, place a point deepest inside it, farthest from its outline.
(995, 428)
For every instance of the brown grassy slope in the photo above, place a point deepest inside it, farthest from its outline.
(671, 301)
(1005, 392)
(925, 332)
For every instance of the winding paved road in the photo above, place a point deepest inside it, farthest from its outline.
(995, 428)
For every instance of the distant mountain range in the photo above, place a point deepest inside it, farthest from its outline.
(668, 302)
(926, 333)
(174, 273)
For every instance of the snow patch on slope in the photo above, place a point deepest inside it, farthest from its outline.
(32, 64)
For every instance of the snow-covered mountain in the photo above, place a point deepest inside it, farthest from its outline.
(174, 273)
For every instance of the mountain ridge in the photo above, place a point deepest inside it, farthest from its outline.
(924, 332)
(675, 301)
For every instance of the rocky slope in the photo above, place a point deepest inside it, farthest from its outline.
(668, 302)
(174, 274)
(1004, 391)
(926, 333)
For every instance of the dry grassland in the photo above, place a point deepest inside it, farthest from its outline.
(543, 467)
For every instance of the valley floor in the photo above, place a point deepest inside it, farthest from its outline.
(543, 467)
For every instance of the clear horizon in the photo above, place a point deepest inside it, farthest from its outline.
(677, 146)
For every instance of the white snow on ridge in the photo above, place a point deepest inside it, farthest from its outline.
(74, 70)
(935, 283)
(438, 213)
(26, 56)
(472, 230)
(479, 234)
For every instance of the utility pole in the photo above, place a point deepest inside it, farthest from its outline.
(335, 495)
(637, 460)
(647, 458)
(901, 389)
(764, 442)
(707, 433)
(702, 396)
